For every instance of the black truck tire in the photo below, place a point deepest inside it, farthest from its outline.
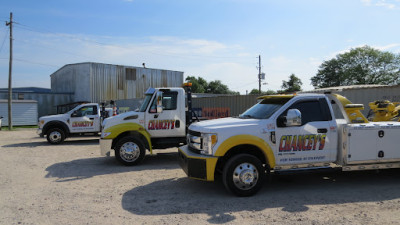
(129, 151)
(55, 135)
(243, 175)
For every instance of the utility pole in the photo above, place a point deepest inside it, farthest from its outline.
(9, 76)
(259, 74)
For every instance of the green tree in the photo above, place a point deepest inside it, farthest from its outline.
(217, 87)
(200, 85)
(292, 85)
(256, 92)
(363, 65)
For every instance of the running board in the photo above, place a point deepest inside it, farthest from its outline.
(377, 166)
(306, 170)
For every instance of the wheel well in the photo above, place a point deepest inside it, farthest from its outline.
(133, 134)
(241, 149)
(56, 124)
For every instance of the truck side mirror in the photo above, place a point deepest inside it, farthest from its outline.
(293, 118)
(159, 102)
(74, 114)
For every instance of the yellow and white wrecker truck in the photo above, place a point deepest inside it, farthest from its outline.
(161, 122)
(288, 133)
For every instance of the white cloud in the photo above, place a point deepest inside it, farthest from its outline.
(394, 47)
(389, 4)
(366, 2)
(387, 47)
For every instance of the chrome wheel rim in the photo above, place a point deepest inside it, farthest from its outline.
(245, 176)
(129, 151)
(55, 136)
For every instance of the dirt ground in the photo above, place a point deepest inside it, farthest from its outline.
(72, 184)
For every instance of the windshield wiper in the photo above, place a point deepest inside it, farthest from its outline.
(246, 116)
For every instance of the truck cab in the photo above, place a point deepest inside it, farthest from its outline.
(165, 115)
(287, 133)
(83, 118)
(161, 122)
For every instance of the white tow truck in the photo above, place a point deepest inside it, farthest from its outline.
(161, 122)
(288, 133)
(83, 119)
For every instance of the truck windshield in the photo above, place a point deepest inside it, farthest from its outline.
(264, 109)
(145, 103)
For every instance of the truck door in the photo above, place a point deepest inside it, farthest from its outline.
(171, 121)
(85, 119)
(312, 141)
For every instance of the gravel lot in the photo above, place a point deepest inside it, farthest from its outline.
(71, 184)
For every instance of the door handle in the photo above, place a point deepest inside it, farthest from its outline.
(322, 130)
(91, 118)
(156, 116)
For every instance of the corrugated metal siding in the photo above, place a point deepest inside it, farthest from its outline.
(368, 94)
(64, 80)
(98, 82)
(365, 96)
(23, 112)
(111, 82)
(236, 104)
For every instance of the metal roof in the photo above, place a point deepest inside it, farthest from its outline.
(72, 64)
(353, 87)
(27, 90)
(18, 101)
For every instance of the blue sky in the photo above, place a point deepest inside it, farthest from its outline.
(214, 39)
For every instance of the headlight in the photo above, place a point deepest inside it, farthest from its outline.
(209, 141)
(105, 134)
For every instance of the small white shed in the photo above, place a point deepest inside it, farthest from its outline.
(24, 112)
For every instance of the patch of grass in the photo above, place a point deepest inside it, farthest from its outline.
(18, 127)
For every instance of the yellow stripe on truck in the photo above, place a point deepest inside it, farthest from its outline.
(245, 139)
(125, 127)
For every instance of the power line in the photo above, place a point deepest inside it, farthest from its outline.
(244, 85)
(25, 27)
(66, 52)
(31, 62)
(4, 40)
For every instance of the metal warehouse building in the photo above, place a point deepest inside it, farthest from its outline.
(97, 82)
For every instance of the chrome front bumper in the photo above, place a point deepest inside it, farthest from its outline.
(105, 147)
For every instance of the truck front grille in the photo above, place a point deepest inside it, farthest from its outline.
(195, 141)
